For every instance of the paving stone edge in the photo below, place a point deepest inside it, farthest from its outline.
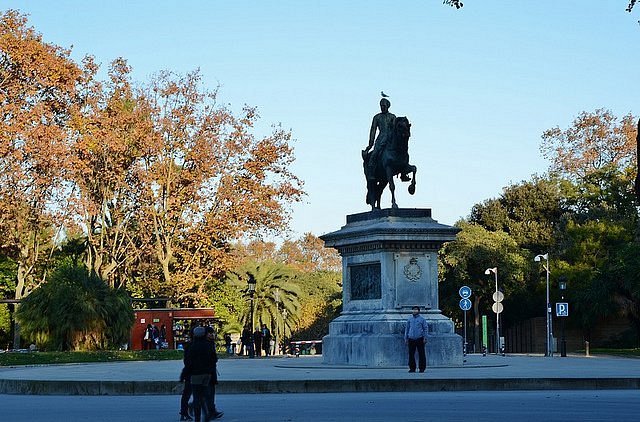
(128, 388)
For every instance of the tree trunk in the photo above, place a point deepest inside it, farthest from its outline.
(21, 291)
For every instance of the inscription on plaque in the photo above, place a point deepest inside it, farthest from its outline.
(365, 281)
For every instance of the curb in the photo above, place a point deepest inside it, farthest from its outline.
(133, 388)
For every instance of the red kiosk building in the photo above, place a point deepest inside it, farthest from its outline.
(177, 322)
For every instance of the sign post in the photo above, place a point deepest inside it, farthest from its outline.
(562, 311)
(497, 308)
(465, 305)
(484, 333)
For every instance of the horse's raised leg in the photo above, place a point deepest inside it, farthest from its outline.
(412, 186)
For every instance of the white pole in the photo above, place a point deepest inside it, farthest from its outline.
(465, 333)
(549, 319)
(497, 316)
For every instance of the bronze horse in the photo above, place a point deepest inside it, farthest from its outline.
(393, 160)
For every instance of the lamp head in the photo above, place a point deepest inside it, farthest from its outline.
(491, 270)
(562, 283)
(252, 283)
(539, 257)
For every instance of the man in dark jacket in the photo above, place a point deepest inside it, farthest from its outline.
(211, 393)
(257, 341)
(247, 341)
(266, 340)
(200, 365)
(415, 336)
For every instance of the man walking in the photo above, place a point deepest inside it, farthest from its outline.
(415, 336)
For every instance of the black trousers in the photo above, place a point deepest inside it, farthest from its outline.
(210, 397)
(422, 359)
(200, 401)
(184, 400)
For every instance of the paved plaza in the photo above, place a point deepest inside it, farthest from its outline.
(308, 374)
(467, 406)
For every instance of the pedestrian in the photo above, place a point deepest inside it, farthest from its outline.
(147, 338)
(163, 337)
(247, 341)
(266, 340)
(156, 336)
(227, 343)
(415, 336)
(200, 366)
(211, 393)
(257, 341)
(186, 394)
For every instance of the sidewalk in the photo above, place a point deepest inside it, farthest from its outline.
(308, 374)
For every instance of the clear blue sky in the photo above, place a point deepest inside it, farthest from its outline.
(479, 84)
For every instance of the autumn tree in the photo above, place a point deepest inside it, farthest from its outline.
(207, 181)
(37, 90)
(594, 141)
(637, 185)
(111, 131)
(306, 253)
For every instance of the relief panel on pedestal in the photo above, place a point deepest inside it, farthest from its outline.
(413, 280)
(365, 281)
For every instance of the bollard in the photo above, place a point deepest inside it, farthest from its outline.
(586, 347)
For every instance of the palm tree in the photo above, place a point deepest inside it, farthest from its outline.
(275, 300)
(76, 310)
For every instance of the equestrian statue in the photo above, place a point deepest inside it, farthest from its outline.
(390, 155)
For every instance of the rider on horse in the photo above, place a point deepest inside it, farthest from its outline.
(389, 156)
(382, 123)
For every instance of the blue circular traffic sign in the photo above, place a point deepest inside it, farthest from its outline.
(465, 304)
(465, 292)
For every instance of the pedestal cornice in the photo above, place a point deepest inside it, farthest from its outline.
(390, 229)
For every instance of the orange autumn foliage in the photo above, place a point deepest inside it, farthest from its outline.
(37, 91)
(155, 181)
(207, 181)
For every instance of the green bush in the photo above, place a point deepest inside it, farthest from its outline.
(5, 325)
(76, 310)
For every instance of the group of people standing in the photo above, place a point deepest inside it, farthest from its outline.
(257, 342)
(154, 338)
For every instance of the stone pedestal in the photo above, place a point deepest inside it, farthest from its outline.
(389, 264)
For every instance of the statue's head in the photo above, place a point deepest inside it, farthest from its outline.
(385, 105)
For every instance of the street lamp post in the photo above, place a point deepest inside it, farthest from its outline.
(277, 335)
(549, 351)
(252, 290)
(495, 272)
(284, 331)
